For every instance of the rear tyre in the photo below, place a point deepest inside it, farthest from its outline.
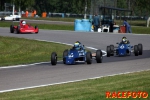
(99, 56)
(65, 53)
(112, 50)
(88, 58)
(53, 58)
(136, 51)
(13, 19)
(108, 51)
(11, 29)
(2, 19)
(140, 48)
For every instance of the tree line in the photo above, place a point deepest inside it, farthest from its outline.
(139, 7)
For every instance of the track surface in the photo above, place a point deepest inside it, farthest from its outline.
(40, 74)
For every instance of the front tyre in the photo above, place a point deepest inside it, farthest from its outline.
(53, 58)
(36, 28)
(18, 29)
(11, 29)
(108, 51)
(140, 48)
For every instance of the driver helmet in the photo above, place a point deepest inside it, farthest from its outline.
(124, 39)
(24, 23)
(77, 45)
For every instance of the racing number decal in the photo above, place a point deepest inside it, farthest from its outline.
(71, 55)
(122, 46)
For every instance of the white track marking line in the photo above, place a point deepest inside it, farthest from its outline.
(15, 66)
(10, 90)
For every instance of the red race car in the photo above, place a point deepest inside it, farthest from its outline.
(23, 28)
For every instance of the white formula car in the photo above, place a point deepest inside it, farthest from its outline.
(11, 17)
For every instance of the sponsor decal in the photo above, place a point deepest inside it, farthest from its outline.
(29, 30)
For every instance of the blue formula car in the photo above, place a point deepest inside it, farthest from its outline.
(124, 49)
(72, 56)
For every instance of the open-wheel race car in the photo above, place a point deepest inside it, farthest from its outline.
(72, 56)
(23, 28)
(124, 49)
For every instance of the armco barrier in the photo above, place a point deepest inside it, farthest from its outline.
(82, 25)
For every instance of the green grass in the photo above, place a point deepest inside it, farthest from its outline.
(14, 51)
(55, 27)
(94, 89)
(141, 30)
(141, 23)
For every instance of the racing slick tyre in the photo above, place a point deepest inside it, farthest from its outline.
(2, 19)
(99, 56)
(53, 58)
(65, 53)
(112, 50)
(36, 27)
(108, 51)
(88, 58)
(18, 30)
(14, 19)
(140, 48)
(136, 51)
(11, 29)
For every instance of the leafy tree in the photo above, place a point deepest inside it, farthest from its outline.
(2, 4)
(139, 7)
(23, 4)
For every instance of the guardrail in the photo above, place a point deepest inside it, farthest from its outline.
(2, 13)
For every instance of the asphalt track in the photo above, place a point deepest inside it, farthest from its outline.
(42, 74)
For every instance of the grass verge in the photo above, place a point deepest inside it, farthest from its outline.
(94, 89)
(14, 51)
